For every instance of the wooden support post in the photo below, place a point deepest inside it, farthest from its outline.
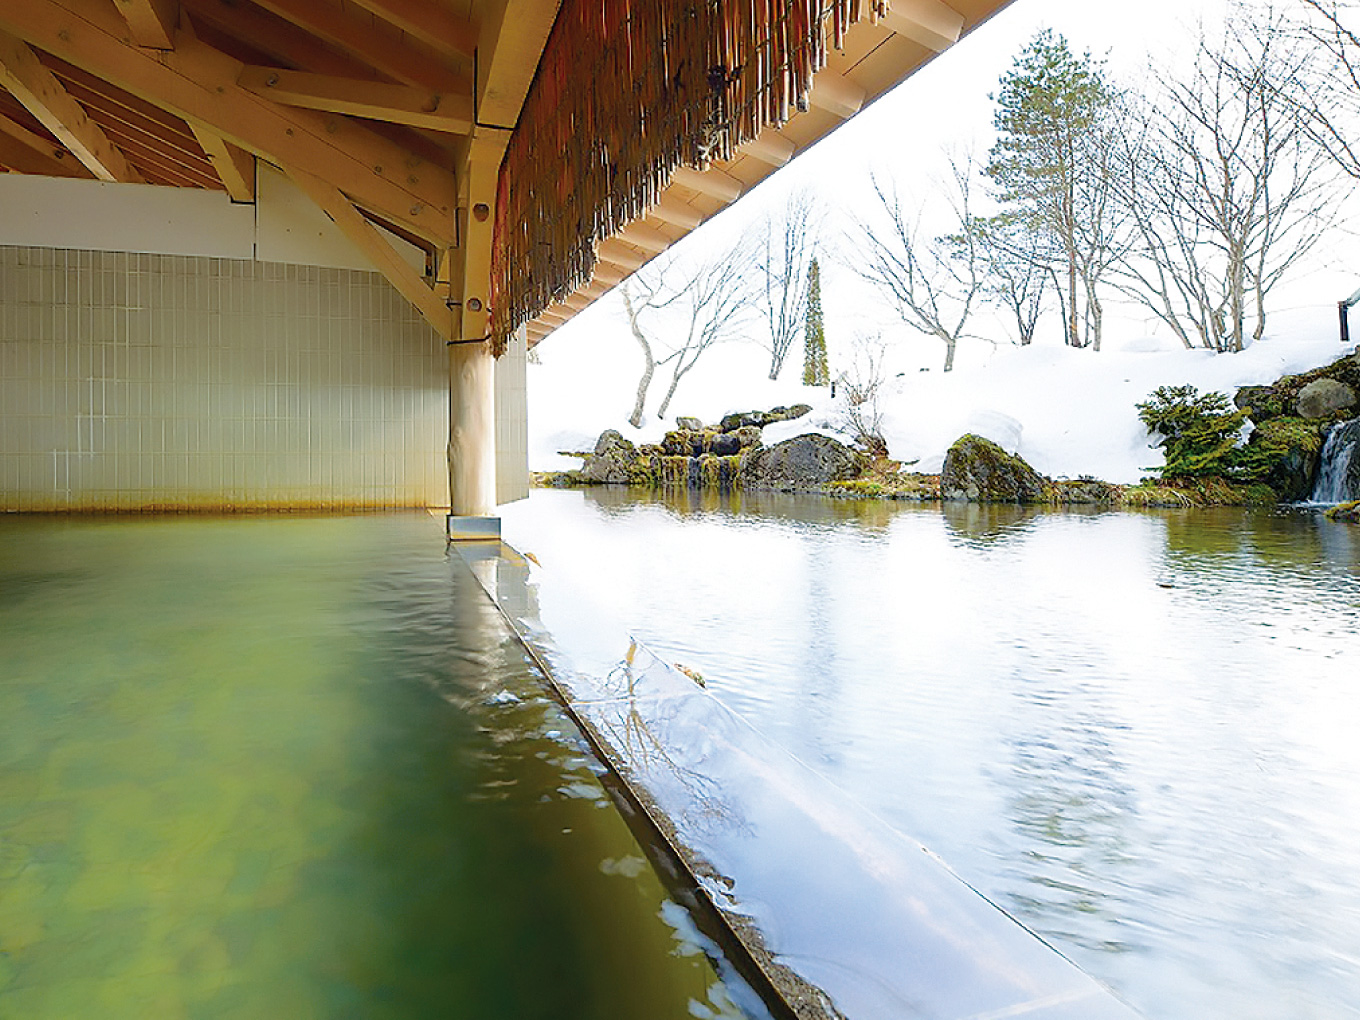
(472, 441)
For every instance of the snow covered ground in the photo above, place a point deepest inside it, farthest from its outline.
(1068, 412)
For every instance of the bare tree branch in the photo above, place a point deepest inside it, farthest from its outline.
(1225, 185)
(933, 282)
(683, 309)
(787, 240)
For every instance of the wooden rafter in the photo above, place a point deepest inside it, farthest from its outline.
(43, 96)
(196, 82)
(388, 54)
(30, 153)
(127, 120)
(152, 22)
(276, 38)
(434, 25)
(931, 23)
(512, 39)
(396, 104)
(367, 239)
(235, 167)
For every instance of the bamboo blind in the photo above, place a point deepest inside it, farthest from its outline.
(626, 92)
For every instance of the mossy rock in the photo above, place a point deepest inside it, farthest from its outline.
(1280, 399)
(1284, 453)
(977, 470)
(1345, 513)
(558, 479)
(1083, 492)
(802, 464)
(759, 419)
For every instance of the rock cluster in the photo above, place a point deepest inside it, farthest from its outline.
(728, 455)
(1291, 418)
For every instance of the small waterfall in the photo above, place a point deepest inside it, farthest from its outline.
(1338, 478)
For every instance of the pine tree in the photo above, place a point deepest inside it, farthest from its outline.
(815, 370)
(1050, 166)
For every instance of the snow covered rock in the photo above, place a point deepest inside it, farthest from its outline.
(801, 463)
(977, 470)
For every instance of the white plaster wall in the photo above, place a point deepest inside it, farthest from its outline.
(55, 212)
(143, 381)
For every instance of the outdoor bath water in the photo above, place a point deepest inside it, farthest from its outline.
(1135, 732)
(299, 768)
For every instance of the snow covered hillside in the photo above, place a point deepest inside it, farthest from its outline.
(1068, 412)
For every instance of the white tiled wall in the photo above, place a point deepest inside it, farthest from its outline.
(142, 381)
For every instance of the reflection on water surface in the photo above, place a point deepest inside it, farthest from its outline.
(1135, 731)
(277, 768)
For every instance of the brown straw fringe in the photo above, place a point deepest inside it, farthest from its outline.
(626, 92)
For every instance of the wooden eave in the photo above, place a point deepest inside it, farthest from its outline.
(152, 82)
(874, 60)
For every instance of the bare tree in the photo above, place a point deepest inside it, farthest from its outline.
(787, 240)
(1016, 282)
(1225, 186)
(862, 386)
(934, 282)
(1332, 107)
(684, 309)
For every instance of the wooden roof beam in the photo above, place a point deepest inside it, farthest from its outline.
(43, 96)
(931, 23)
(378, 250)
(29, 153)
(712, 182)
(396, 104)
(386, 53)
(152, 22)
(434, 25)
(608, 275)
(645, 237)
(195, 82)
(276, 38)
(512, 39)
(235, 167)
(676, 213)
(836, 95)
(770, 147)
(615, 254)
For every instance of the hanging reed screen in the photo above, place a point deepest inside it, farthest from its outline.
(626, 92)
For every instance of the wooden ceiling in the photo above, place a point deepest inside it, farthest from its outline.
(387, 111)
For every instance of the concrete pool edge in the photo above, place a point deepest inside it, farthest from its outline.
(825, 910)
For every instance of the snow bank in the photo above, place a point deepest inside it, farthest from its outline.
(1068, 412)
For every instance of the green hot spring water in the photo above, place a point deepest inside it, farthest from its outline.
(298, 768)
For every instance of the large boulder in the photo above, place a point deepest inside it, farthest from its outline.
(1324, 398)
(978, 471)
(612, 462)
(804, 462)
(759, 419)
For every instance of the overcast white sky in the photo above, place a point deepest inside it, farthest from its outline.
(945, 107)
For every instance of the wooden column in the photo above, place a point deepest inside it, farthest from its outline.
(472, 442)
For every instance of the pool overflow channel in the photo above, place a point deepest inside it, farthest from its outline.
(821, 908)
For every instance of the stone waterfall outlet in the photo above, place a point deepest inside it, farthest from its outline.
(1338, 477)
